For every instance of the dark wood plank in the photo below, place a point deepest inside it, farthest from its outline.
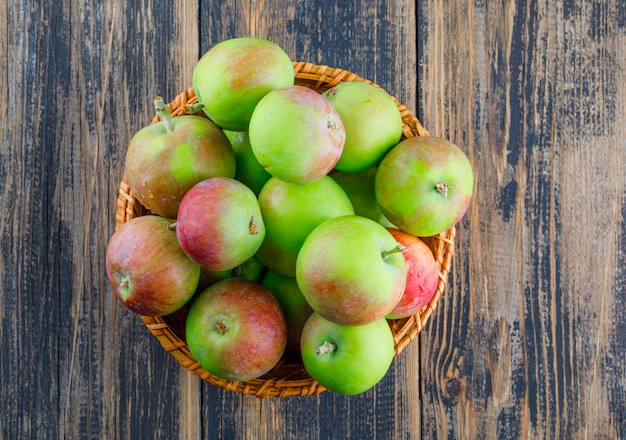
(529, 340)
(80, 80)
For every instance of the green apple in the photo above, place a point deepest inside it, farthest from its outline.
(236, 329)
(232, 77)
(351, 270)
(248, 170)
(165, 159)
(424, 185)
(293, 303)
(290, 212)
(360, 189)
(372, 122)
(296, 134)
(346, 359)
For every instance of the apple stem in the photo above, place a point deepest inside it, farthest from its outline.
(326, 347)
(399, 248)
(192, 109)
(163, 113)
(442, 188)
(172, 226)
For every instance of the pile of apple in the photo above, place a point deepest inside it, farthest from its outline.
(286, 219)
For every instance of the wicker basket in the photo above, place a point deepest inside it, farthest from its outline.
(289, 377)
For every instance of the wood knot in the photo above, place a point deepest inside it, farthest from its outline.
(453, 387)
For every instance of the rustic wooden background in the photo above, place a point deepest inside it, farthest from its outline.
(528, 341)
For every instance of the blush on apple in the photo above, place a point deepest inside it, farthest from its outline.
(422, 277)
(236, 329)
(424, 185)
(219, 223)
(149, 272)
(296, 134)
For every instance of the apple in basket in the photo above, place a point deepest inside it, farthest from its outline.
(422, 277)
(372, 122)
(232, 77)
(248, 170)
(424, 185)
(296, 134)
(293, 303)
(165, 159)
(351, 270)
(290, 212)
(219, 223)
(346, 359)
(360, 189)
(150, 273)
(236, 329)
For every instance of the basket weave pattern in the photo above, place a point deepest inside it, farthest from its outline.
(288, 378)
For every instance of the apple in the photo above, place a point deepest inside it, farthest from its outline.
(165, 159)
(236, 329)
(346, 359)
(424, 185)
(219, 223)
(293, 303)
(360, 189)
(290, 212)
(251, 269)
(351, 270)
(372, 122)
(149, 272)
(296, 134)
(232, 77)
(422, 276)
(248, 170)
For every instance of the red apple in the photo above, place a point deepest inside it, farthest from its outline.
(219, 223)
(150, 273)
(296, 134)
(236, 329)
(422, 277)
(165, 159)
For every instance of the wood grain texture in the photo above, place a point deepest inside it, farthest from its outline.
(528, 341)
(532, 329)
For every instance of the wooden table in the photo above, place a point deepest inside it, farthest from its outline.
(528, 341)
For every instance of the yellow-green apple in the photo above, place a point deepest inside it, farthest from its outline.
(232, 77)
(293, 303)
(422, 276)
(360, 189)
(296, 134)
(248, 170)
(236, 329)
(424, 185)
(351, 270)
(290, 212)
(346, 359)
(219, 223)
(372, 122)
(149, 272)
(165, 159)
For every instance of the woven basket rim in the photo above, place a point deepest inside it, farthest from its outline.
(289, 378)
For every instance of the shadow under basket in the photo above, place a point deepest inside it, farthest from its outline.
(288, 377)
